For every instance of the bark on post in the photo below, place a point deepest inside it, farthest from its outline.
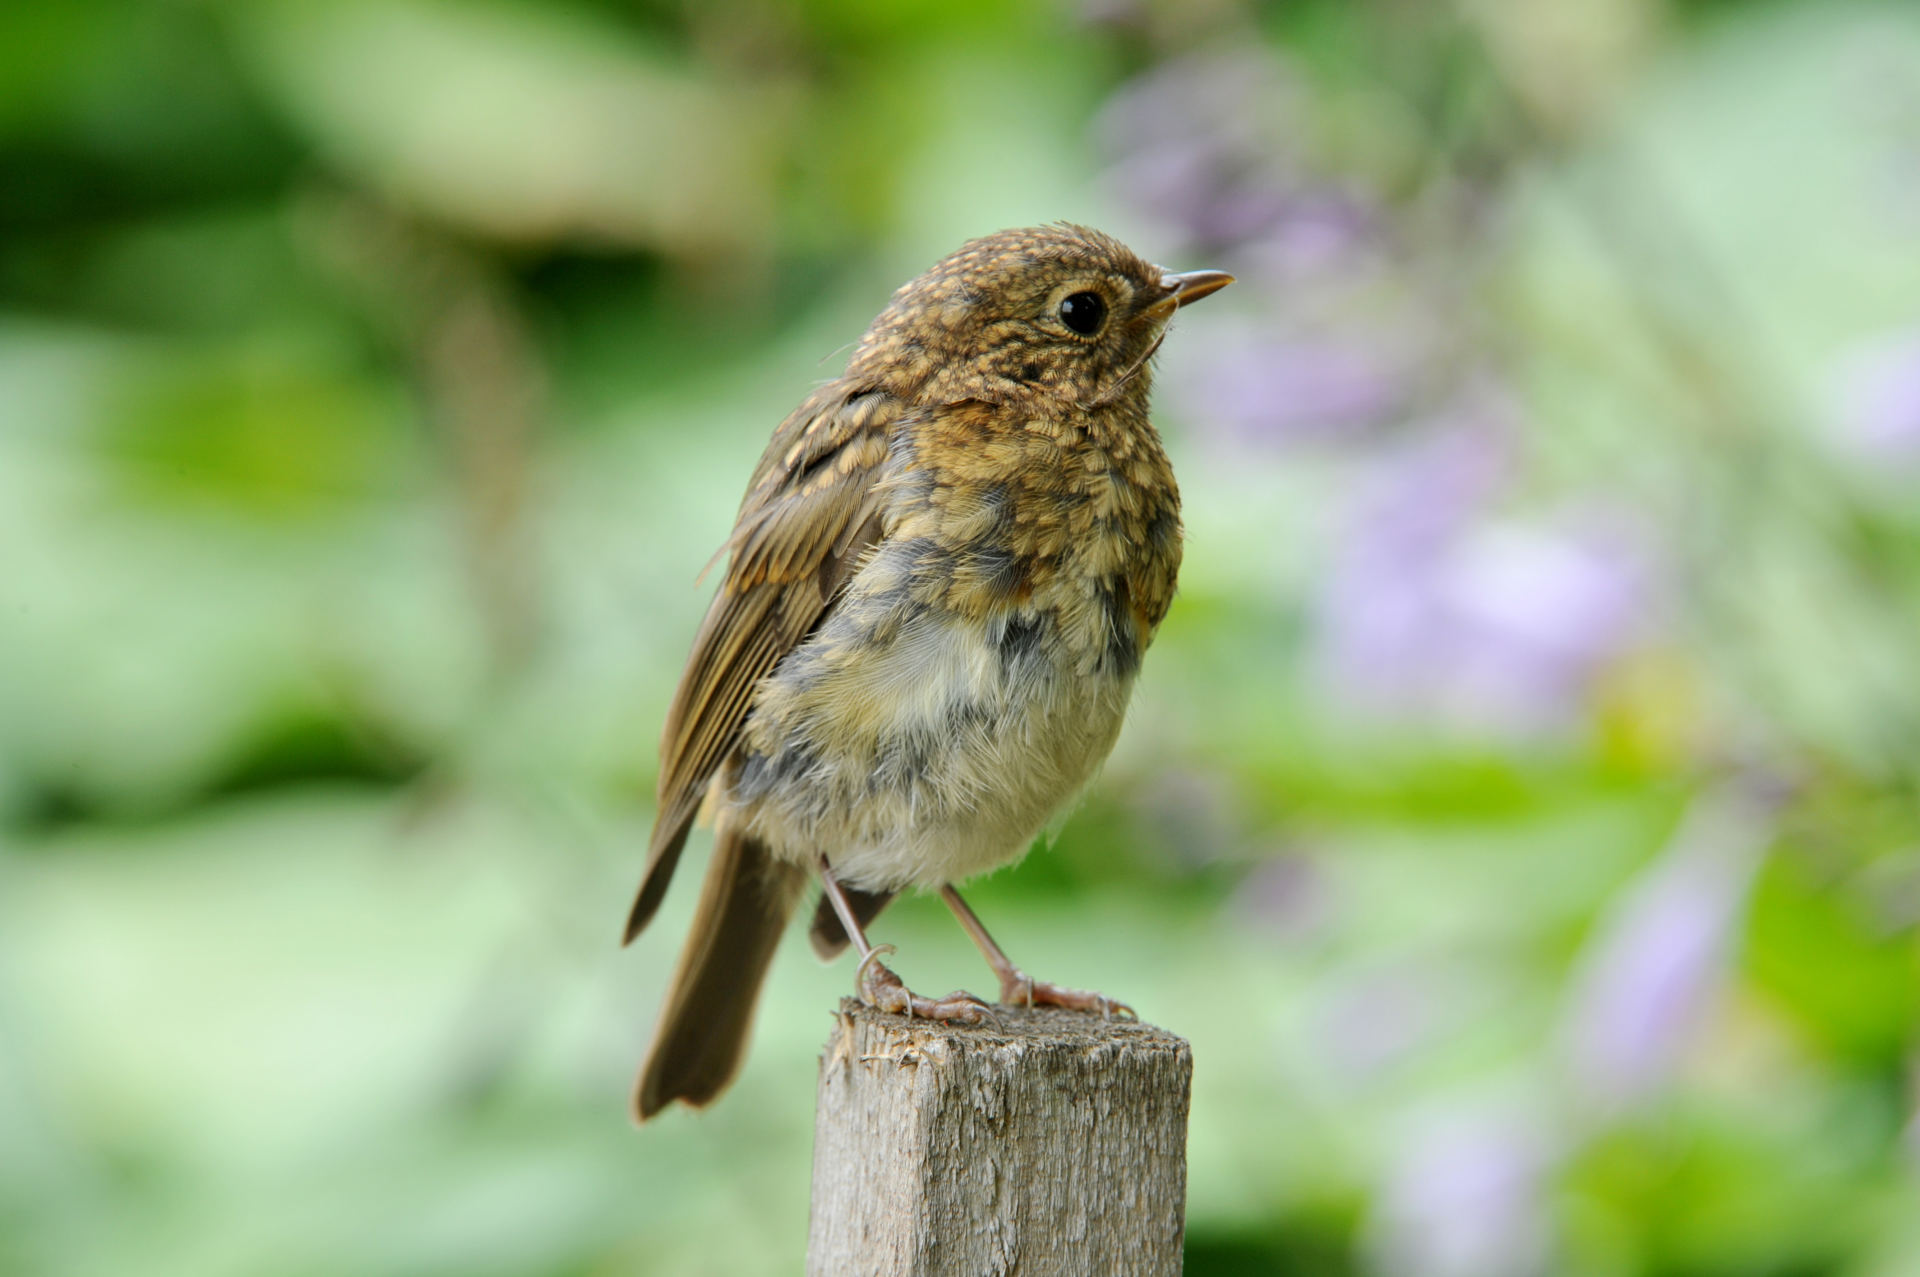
(1054, 1142)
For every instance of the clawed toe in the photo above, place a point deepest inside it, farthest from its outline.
(958, 1007)
(882, 990)
(1022, 990)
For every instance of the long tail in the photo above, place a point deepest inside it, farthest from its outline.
(744, 906)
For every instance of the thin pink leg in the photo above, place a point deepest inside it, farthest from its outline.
(1017, 988)
(879, 987)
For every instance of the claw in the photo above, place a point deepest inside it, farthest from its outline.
(860, 972)
(1019, 989)
(882, 990)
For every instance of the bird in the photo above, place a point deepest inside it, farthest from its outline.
(946, 569)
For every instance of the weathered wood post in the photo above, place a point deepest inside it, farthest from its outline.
(1052, 1143)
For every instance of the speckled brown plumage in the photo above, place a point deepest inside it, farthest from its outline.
(947, 567)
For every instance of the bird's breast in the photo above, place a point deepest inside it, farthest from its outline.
(913, 745)
(1075, 516)
(975, 670)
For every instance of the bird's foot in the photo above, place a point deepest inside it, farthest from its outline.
(882, 990)
(1018, 989)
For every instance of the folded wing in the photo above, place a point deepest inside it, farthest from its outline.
(810, 513)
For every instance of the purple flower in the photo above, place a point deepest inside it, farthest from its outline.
(1205, 145)
(1317, 231)
(1435, 605)
(1465, 1198)
(1659, 955)
(1877, 415)
(1288, 896)
(1256, 388)
(1380, 1018)
(1217, 104)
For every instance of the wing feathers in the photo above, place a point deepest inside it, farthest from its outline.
(811, 513)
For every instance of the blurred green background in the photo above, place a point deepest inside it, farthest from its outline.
(1520, 807)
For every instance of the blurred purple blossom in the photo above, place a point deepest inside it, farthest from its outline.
(1262, 389)
(1436, 606)
(1432, 602)
(1658, 957)
(1465, 1197)
(1378, 1018)
(1204, 144)
(1317, 230)
(1208, 145)
(1186, 142)
(1287, 897)
(1878, 401)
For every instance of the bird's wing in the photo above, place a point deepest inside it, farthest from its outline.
(811, 511)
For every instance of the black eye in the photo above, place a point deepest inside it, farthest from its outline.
(1083, 312)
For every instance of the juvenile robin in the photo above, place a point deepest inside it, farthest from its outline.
(947, 567)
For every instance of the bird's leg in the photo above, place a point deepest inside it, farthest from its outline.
(1017, 988)
(879, 987)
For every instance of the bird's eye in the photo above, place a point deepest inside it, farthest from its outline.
(1083, 312)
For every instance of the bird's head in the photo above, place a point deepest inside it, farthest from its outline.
(1059, 311)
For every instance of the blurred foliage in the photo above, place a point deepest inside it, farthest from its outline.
(1521, 804)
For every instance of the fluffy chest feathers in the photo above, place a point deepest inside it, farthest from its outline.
(1077, 520)
(976, 668)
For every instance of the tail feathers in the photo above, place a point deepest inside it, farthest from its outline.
(669, 840)
(697, 1047)
(828, 936)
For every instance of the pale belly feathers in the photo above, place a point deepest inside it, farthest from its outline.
(914, 747)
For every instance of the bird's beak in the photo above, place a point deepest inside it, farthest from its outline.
(1188, 287)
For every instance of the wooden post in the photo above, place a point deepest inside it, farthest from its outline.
(1054, 1142)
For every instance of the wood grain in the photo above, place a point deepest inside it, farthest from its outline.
(1053, 1142)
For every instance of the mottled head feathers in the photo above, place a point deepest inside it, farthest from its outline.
(1056, 310)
